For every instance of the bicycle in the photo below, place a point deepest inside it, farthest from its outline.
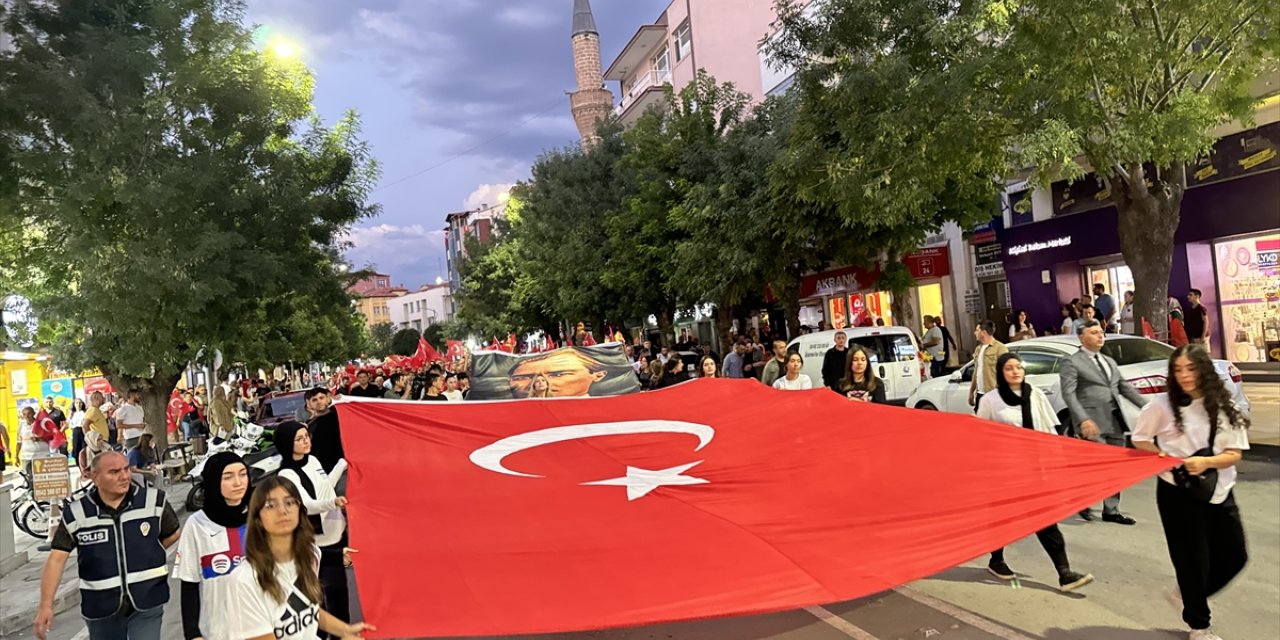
(33, 516)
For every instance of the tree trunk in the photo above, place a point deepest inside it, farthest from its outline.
(1148, 219)
(155, 400)
(904, 314)
(724, 323)
(666, 322)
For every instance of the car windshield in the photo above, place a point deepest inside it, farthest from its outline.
(1134, 351)
(283, 406)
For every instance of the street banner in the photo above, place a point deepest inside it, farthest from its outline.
(50, 479)
(61, 390)
(709, 498)
(601, 370)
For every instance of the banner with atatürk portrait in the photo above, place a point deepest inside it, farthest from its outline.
(599, 370)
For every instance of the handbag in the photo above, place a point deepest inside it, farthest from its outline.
(1202, 487)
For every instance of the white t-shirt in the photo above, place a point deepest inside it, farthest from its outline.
(257, 614)
(1068, 326)
(32, 447)
(978, 368)
(453, 396)
(207, 554)
(324, 504)
(1013, 329)
(801, 383)
(130, 414)
(1156, 424)
(993, 407)
(938, 350)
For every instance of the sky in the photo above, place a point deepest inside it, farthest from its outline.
(458, 98)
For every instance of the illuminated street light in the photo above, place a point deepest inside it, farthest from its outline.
(283, 49)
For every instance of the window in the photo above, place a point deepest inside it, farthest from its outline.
(662, 64)
(1036, 363)
(1135, 350)
(684, 41)
(382, 283)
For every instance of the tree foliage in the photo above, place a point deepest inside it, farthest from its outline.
(168, 188)
(405, 342)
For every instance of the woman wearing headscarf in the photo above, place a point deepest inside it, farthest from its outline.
(212, 544)
(1021, 404)
(323, 507)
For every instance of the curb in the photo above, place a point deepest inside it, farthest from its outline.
(1262, 453)
(68, 595)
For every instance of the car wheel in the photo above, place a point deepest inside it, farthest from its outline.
(926, 406)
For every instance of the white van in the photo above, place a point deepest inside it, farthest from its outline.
(894, 354)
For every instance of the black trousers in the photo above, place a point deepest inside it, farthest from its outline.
(333, 579)
(1054, 544)
(77, 443)
(1206, 544)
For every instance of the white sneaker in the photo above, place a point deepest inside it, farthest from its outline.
(1204, 634)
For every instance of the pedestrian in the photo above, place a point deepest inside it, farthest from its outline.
(119, 531)
(733, 363)
(793, 380)
(4, 448)
(1020, 404)
(94, 445)
(984, 362)
(1092, 388)
(860, 382)
(833, 362)
(142, 461)
(38, 437)
(1069, 317)
(78, 412)
(1196, 320)
(1021, 328)
(363, 388)
(434, 388)
(400, 388)
(451, 388)
(672, 373)
(776, 367)
(130, 422)
(1087, 313)
(1105, 305)
(932, 344)
(1127, 324)
(709, 368)
(540, 387)
(276, 592)
(324, 510)
(1198, 422)
(221, 421)
(326, 433)
(211, 546)
(952, 349)
(464, 384)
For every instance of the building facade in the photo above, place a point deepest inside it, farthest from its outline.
(478, 224)
(717, 36)
(373, 295)
(430, 304)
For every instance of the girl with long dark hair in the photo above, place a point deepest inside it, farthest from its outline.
(1020, 404)
(1021, 328)
(211, 545)
(672, 373)
(323, 509)
(860, 382)
(276, 591)
(709, 367)
(1198, 422)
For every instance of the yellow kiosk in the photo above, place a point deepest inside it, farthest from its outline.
(21, 376)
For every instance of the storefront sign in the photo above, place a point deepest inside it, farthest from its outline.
(991, 253)
(1020, 205)
(984, 271)
(836, 281)
(932, 262)
(49, 478)
(1032, 247)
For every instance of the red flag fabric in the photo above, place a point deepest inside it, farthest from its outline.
(47, 430)
(588, 340)
(711, 498)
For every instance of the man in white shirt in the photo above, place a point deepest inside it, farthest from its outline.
(933, 345)
(130, 419)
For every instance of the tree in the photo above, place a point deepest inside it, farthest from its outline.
(405, 342)
(497, 296)
(166, 185)
(1134, 89)
(891, 136)
(670, 151)
(380, 336)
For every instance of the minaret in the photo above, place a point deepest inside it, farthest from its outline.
(591, 102)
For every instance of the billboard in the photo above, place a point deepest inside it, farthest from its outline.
(599, 370)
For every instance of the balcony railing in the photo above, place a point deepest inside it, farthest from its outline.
(642, 84)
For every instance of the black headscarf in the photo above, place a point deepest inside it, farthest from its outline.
(285, 433)
(1006, 392)
(215, 506)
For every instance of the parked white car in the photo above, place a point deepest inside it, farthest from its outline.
(1144, 363)
(893, 351)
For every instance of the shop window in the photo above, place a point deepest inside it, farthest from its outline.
(1249, 298)
(838, 318)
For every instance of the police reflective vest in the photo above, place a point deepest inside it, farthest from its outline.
(120, 553)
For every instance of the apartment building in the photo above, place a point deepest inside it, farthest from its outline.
(430, 304)
(373, 295)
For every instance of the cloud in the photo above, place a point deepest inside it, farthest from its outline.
(412, 254)
(486, 195)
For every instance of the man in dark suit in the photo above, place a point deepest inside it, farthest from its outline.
(1092, 388)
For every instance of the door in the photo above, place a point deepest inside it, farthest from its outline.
(995, 300)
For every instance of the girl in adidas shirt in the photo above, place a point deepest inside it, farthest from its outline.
(275, 592)
(211, 546)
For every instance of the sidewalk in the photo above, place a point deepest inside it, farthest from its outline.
(21, 588)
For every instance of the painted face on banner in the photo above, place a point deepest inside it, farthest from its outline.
(566, 372)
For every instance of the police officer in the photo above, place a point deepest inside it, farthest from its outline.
(121, 531)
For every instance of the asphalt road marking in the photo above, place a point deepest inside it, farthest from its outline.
(966, 617)
(840, 624)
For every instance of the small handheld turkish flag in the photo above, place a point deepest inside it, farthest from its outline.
(711, 498)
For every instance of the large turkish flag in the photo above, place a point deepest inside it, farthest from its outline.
(710, 498)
